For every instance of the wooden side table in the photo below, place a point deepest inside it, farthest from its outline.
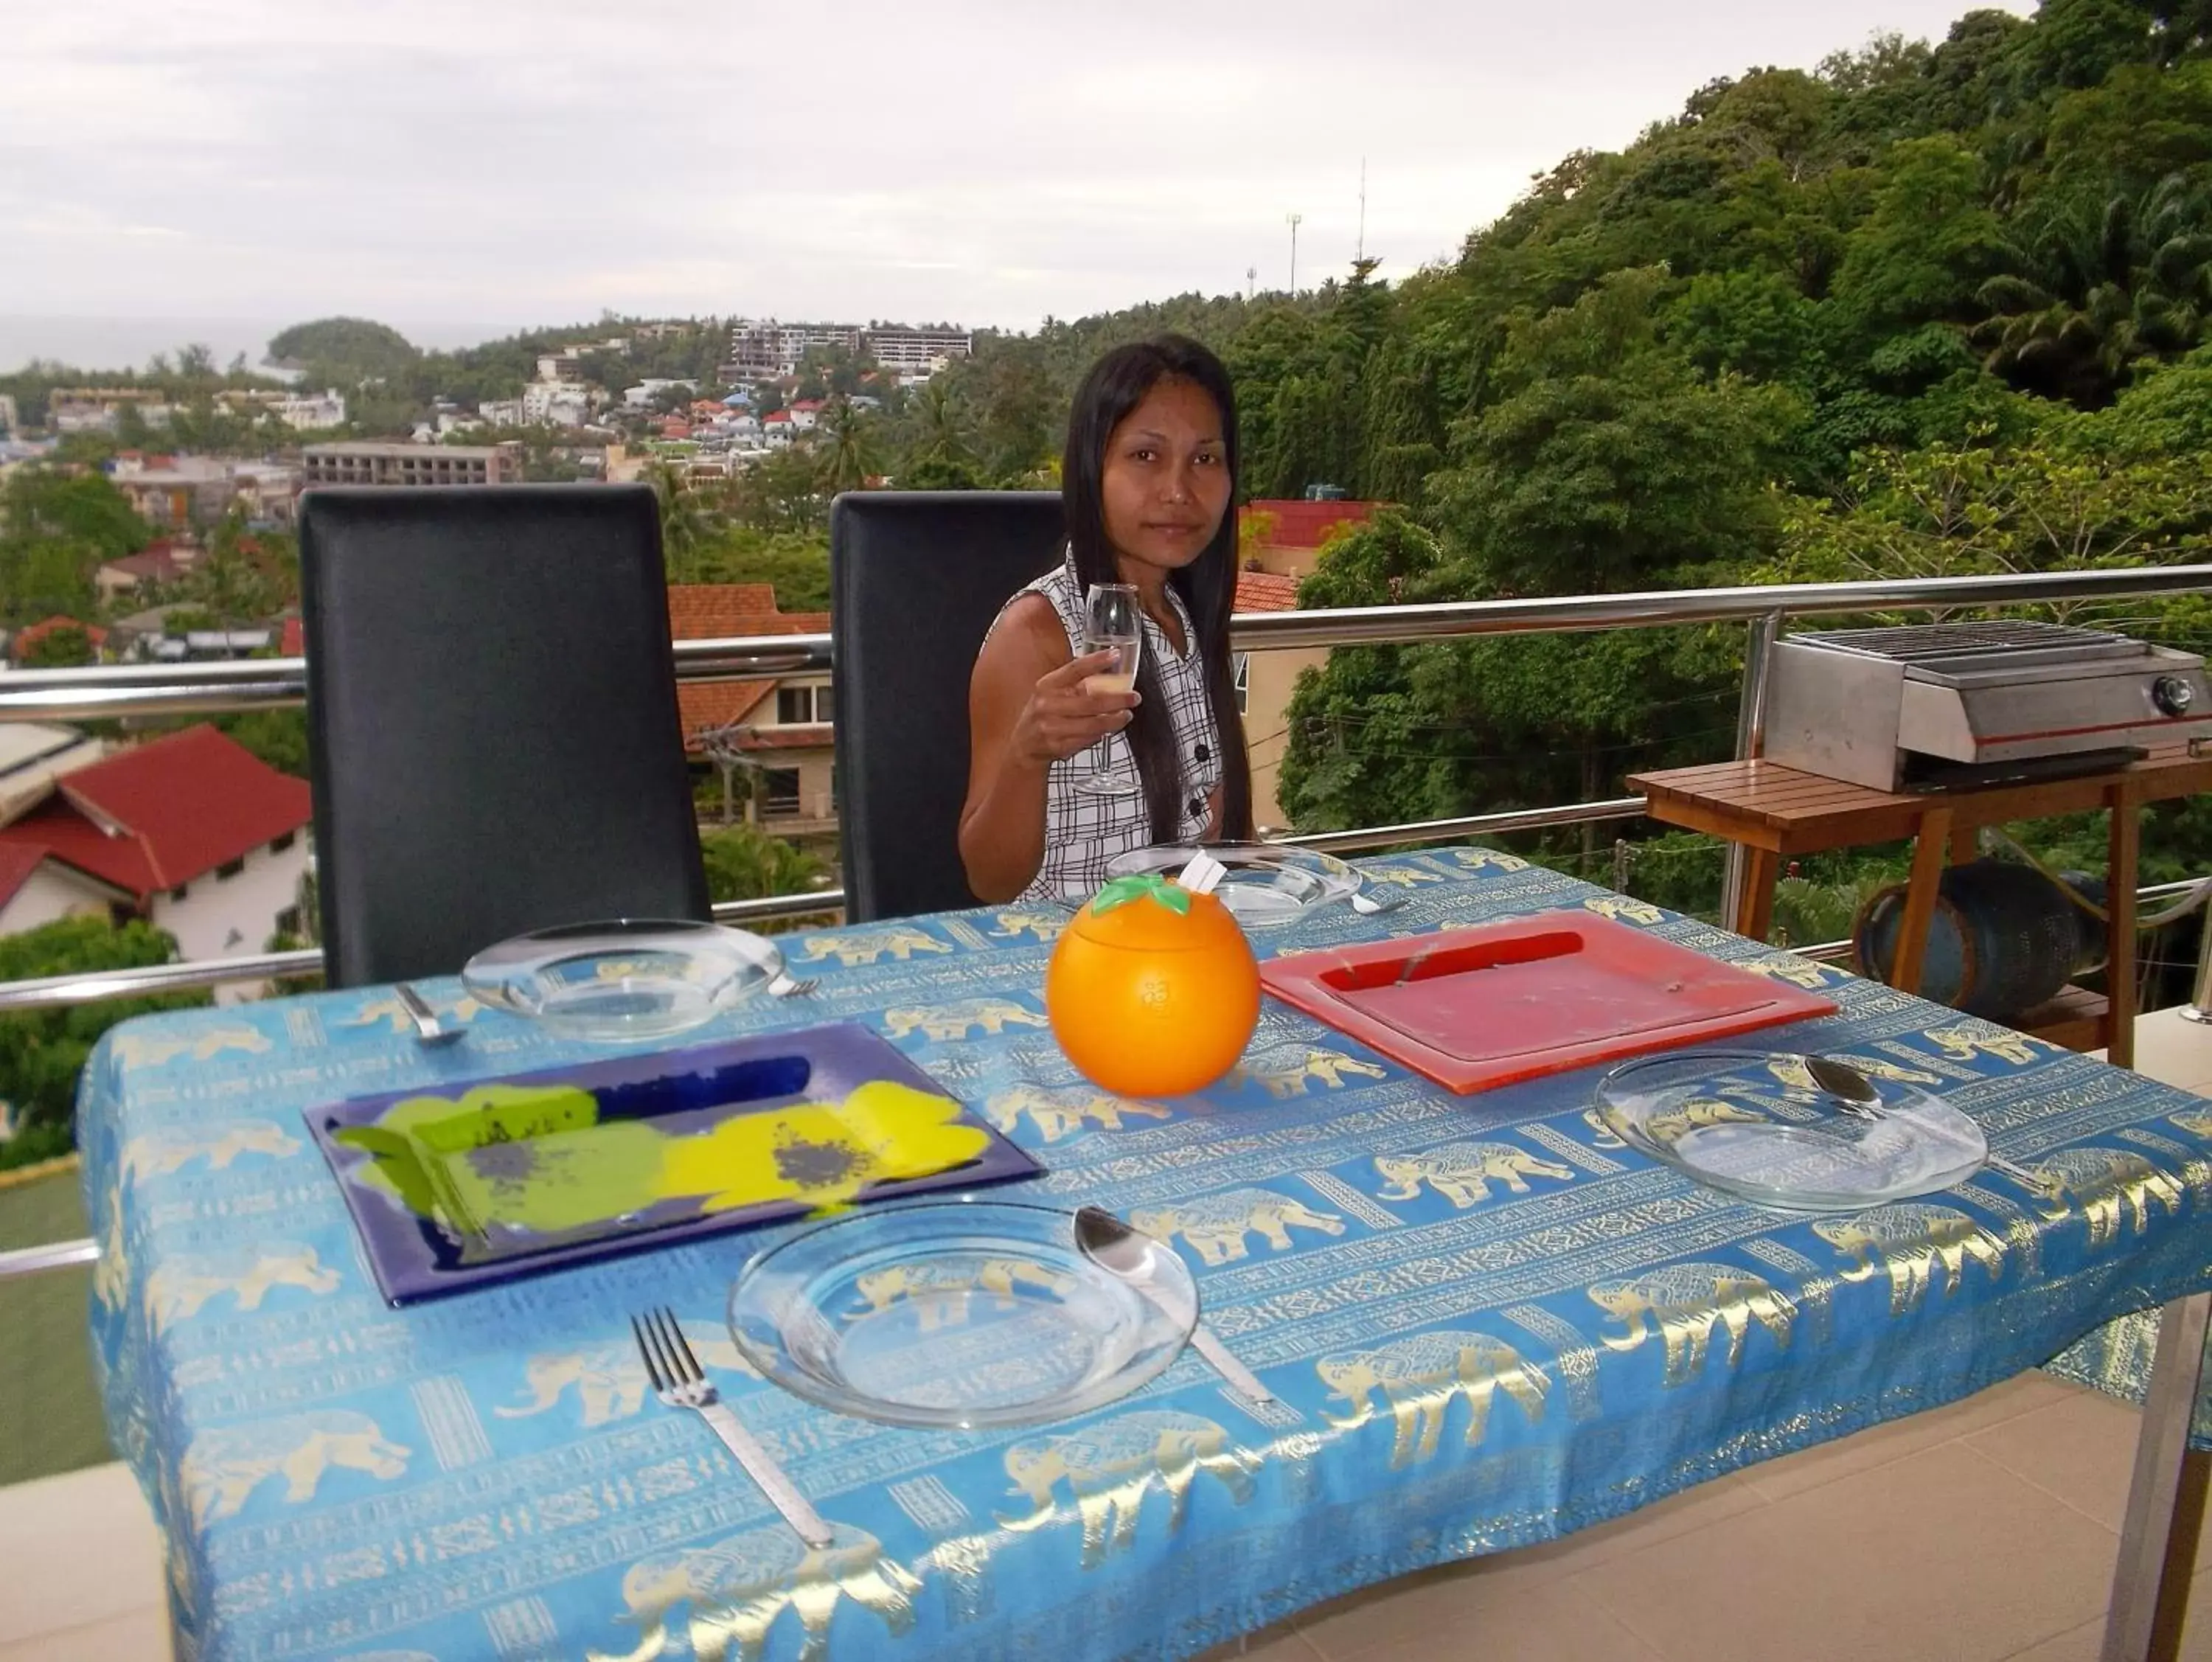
(1776, 812)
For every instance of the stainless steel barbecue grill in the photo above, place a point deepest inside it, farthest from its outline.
(1940, 705)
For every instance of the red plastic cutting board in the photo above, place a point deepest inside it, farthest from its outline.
(1477, 1007)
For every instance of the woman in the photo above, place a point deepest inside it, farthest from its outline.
(1147, 479)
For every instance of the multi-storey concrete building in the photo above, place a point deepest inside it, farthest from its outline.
(412, 464)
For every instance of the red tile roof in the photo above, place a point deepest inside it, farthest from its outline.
(1301, 524)
(159, 561)
(294, 641)
(17, 863)
(161, 814)
(818, 735)
(706, 612)
(31, 634)
(1263, 590)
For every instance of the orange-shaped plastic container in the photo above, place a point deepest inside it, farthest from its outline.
(1153, 990)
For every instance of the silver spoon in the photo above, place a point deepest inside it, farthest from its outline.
(1126, 1255)
(428, 1030)
(1858, 1096)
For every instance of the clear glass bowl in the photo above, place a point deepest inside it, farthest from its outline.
(624, 981)
(1267, 886)
(962, 1313)
(1758, 1127)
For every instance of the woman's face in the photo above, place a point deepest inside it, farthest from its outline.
(1166, 482)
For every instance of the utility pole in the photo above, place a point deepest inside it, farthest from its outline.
(1293, 219)
(1251, 281)
(1361, 253)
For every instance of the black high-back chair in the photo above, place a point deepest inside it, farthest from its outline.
(491, 711)
(915, 578)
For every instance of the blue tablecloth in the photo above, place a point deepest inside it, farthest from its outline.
(1488, 1323)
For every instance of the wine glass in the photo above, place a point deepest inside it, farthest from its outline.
(1112, 621)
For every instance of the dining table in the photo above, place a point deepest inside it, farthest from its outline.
(1485, 1321)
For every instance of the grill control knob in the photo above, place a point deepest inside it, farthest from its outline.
(2173, 695)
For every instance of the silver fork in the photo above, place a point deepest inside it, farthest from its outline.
(680, 1382)
(788, 985)
(428, 1029)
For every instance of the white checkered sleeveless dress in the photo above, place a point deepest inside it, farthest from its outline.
(1081, 833)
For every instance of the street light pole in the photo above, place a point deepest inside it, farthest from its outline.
(1293, 219)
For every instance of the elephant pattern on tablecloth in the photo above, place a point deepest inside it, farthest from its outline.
(161, 1154)
(222, 1468)
(1287, 1070)
(388, 1012)
(609, 1379)
(1791, 1071)
(2108, 1184)
(1062, 1113)
(1216, 1225)
(1419, 1376)
(728, 1596)
(1109, 1467)
(1698, 1113)
(1601, 1134)
(852, 947)
(1463, 1171)
(1043, 927)
(136, 1049)
(944, 1023)
(1920, 1246)
(182, 1284)
(1686, 1301)
(1621, 908)
(1970, 1038)
(944, 1294)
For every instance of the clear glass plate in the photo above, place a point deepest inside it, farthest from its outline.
(965, 1313)
(1267, 885)
(627, 980)
(1755, 1125)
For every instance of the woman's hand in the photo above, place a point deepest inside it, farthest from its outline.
(1062, 719)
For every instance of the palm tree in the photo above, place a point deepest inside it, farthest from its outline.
(684, 528)
(2096, 287)
(852, 459)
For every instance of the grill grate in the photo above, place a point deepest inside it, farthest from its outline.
(1924, 642)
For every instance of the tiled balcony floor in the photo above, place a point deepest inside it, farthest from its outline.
(1980, 1531)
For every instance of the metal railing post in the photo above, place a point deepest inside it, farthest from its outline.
(1750, 741)
(2199, 1008)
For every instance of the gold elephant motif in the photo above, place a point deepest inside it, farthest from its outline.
(160, 1153)
(137, 1051)
(1059, 1114)
(736, 1589)
(1109, 1467)
(1463, 1171)
(609, 1379)
(1913, 1243)
(1477, 860)
(1788, 967)
(2197, 1122)
(1286, 1073)
(2108, 1183)
(1791, 1071)
(391, 1013)
(942, 1293)
(1619, 907)
(1040, 926)
(1686, 1300)
(1216, 1225)
(1696, 1114)
(853, 947)
(1418, 1378)
(944, 1023)
(221, 1469)
(181, 1287)
(1964, 1041)
(1405, 876)
(1601, 1134)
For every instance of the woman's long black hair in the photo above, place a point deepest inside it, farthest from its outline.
(1116, 384)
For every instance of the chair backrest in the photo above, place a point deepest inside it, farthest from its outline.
(915, 578)
(492, 724)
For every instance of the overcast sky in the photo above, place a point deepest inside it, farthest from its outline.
(500, 162)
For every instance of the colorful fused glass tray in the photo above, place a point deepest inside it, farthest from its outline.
(1479, 1008)
(484, 1180)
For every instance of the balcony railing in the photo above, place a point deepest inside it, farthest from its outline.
(112, 691)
